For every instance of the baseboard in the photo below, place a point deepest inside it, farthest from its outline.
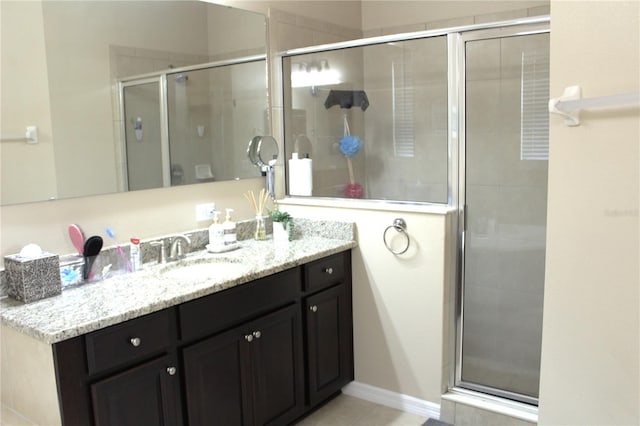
(395, 400)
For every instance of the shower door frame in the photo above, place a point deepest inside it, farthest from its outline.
(161, 80)
(457, 45)
(456, 39)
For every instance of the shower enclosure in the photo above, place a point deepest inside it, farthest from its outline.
(453, 117)
(192, 124)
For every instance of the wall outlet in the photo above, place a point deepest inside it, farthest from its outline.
(205, 211)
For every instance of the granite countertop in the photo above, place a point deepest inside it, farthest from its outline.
(157, 286)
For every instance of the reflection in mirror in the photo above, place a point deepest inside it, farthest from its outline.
(190, 126)
(263, 153)
(67, 87)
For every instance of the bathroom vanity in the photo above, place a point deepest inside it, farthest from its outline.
(260, 345)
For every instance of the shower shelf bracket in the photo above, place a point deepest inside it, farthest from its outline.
(571, 103)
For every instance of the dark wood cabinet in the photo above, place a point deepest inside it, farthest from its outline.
(144, 395)
(250, 375)
(216, 371)
(277, 367)
(329, 343)
(261, 353)
(328, 326)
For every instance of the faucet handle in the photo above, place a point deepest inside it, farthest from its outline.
(179, 250)
(162, 254)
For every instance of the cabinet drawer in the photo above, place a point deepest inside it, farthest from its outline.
(127, 342)
(324, 272)
(227, 308)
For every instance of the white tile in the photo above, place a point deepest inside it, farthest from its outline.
(449, 23)
(403, 29)
(500, 16)
(539, 10)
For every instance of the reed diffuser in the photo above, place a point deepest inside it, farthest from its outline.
(259, 206)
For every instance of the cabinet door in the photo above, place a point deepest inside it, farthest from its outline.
(329, 342)
(145, 395)
(216, 375)
(276, 352)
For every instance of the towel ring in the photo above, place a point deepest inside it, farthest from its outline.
(401, 226)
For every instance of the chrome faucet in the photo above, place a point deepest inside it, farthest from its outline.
(176, 249)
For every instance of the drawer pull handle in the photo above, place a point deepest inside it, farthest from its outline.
(171, 371)
(328, 270)
(313, 308)
(257, 334)
(248, 337)
(135, 341)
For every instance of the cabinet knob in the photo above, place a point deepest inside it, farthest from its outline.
(135, 341)
(248, 337)
(257, 334)
(313, 308)
(328, 270)
(171, 371)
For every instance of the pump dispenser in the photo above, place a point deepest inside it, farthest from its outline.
(216, 232)
(229, 227)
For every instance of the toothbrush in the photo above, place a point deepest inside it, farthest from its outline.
(112, 234)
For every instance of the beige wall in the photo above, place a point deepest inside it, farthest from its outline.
(398, 301)
(344, 13)
(36, 376)
(590, 346)
(24, 99)
(385, 17)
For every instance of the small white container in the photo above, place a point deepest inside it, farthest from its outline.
(135, 254)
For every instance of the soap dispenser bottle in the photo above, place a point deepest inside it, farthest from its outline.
(216, 232)
(229, 227)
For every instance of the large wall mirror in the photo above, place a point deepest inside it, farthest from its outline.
(127, 95)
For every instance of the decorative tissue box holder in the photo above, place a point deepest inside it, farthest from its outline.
(33, 278)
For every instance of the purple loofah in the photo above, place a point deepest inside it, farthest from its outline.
(350, 145)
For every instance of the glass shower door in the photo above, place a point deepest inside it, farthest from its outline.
(143, 134)
(505, 193)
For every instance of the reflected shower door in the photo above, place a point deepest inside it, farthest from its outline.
(143, 140)
(505, 193)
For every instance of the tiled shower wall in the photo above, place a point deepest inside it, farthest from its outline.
(506, 195)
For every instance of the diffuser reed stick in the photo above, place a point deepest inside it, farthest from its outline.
(259, 205)
(259, 208)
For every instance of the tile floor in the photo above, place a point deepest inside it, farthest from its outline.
(341, 411)
(350, 411)
(10, 418)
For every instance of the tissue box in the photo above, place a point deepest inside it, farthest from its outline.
(33, 278)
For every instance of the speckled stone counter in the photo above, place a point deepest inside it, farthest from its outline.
(96, 305)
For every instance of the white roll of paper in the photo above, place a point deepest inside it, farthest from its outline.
(300, 176)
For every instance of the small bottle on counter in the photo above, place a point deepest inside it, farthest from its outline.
(261, 231)
(229, 227)
(135, 254)
(216, 232)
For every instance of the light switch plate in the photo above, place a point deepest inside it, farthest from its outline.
(205, 211)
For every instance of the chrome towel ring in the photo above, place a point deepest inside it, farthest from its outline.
(401, 227)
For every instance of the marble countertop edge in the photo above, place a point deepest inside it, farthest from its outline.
(98, 305)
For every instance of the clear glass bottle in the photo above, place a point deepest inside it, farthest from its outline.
(261, 231)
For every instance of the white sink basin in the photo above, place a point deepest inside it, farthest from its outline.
(204, 268)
